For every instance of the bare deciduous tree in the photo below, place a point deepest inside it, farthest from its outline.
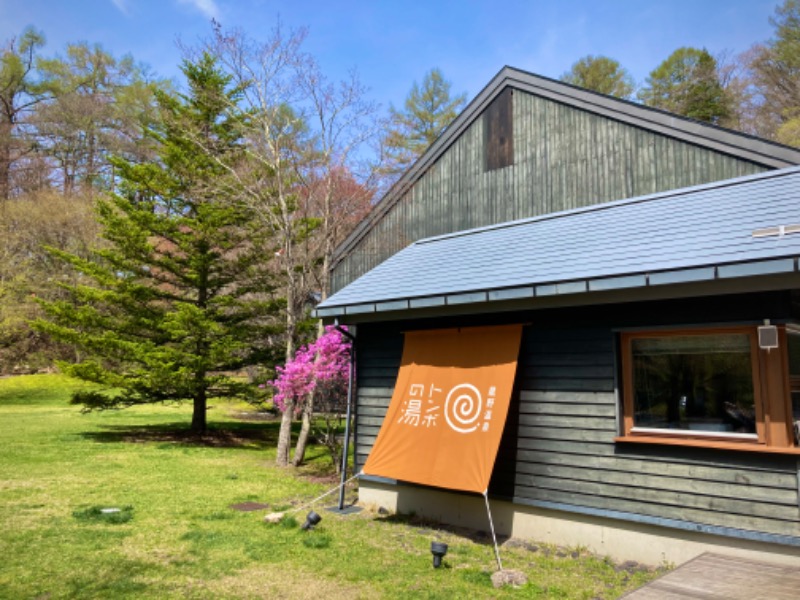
(301, 130)
(342, 121)
(19, 93)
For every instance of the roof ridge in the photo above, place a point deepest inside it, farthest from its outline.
(638, 105)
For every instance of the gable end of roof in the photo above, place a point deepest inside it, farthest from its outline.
(740, 145)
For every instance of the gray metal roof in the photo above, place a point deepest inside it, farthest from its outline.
(734, 143)
(693, 234)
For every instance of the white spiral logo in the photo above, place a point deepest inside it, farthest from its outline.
(463, 407)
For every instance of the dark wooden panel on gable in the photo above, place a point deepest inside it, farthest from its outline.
(498, 132)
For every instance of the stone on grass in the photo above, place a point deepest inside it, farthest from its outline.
(510, 577)
(274, 517)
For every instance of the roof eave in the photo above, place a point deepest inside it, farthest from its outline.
(723, 277)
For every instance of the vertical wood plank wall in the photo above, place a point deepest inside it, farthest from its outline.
(559, 446)
(564, 158)
(566, 454)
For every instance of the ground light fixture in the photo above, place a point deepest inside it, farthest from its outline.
(438, 550)
(312, 519)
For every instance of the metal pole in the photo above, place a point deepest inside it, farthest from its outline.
(494, 537)
(346, 449)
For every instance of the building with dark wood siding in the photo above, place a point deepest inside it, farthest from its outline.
(528, 146)
(654, 263)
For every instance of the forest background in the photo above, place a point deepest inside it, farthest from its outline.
(305, 158)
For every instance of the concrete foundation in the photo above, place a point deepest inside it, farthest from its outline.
(620, 540)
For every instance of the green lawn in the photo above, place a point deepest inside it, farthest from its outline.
(176, 537)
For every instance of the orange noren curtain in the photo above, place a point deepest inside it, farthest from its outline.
(448, 409)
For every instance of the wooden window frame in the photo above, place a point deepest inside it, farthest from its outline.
(792, 381)
(771, 385)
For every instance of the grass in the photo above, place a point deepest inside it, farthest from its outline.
(174, 535)
(100, 514)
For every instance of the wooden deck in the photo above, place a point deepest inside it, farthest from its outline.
(714, 576)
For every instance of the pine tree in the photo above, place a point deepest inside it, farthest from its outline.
(428, 110)
(177, 297)
(601, 74)
(687, 83)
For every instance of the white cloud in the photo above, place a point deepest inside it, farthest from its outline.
(208, 7)
(122, 6)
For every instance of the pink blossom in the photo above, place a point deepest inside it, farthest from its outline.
(322, 365)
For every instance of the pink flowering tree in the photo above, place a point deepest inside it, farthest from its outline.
(315, 382)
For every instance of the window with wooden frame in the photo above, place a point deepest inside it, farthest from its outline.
(793, 352)
(711, 387)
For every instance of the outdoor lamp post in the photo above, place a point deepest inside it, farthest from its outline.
(438, 550)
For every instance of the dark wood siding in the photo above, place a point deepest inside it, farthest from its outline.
(566, 453)
(379, 351)
(558, 444)
(560, 158)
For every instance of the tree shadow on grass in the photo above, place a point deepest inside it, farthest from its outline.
(254, 436)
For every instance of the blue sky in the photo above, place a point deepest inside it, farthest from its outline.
(393, 43)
